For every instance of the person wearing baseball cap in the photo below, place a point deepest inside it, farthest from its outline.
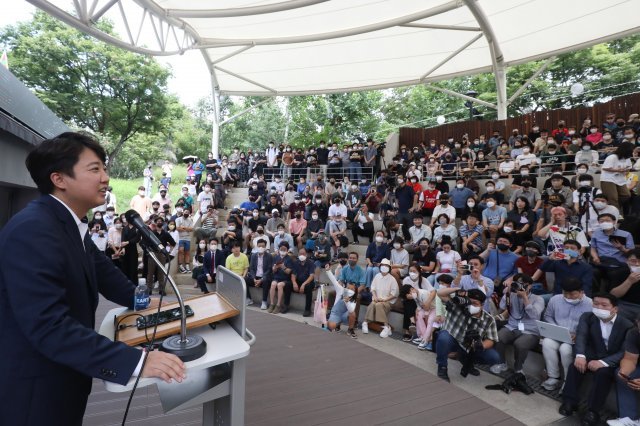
(468, 330)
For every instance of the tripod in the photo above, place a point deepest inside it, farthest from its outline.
(585, 209)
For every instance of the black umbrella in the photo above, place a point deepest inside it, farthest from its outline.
(188, 158)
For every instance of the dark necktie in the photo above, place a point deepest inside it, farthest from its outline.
(213, 262)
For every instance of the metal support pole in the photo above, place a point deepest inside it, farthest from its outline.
(215, 122)
(535, 75)
(501, 87)
(461, 96)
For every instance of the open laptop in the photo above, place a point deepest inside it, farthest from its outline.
(555, 332)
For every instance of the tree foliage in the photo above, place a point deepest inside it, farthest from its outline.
(89, 84)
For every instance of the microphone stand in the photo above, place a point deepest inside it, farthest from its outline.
(186, 347)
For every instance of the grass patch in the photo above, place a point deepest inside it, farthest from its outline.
(125, 189)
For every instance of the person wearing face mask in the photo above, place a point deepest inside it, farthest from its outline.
(528, 264)
(553, 156)
(558, 187)
(297, 229)
(566, 264)
(376, 251)
(314, 225)
(443, 207)
(626, 287)
(198, 261)
(109, 216)
(238, 263)
(363, 224)
(173, 251)
(212, 258)
(468, 330)
(405, 201)
(500, 260)
(336, 207)
(205, 199)
(564, 310)
(353, 200)
(522, 309)
(281, 285)
(115, 244)
(560, 229)
(599, 349)
(141, 203)
(337, 230)
(429, 199)
(184, 225)
(281, 236)
(609, 246)
(493, 217)
(261, 270)
(445, 230)
(459, 195)
(525, 173)
(384, 291)
(613, 179)
(594, 135)
(399, 258)
(418, 299)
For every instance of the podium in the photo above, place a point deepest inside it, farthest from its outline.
(216, 380)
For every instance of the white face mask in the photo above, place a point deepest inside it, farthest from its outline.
(524, 172)
(384, 269)
(232, 228)
(118, 226)
(491, 188)
(473, 309)
(202, 245)
(607, 226)
(302, 258)
(141, 193)
(379, 239)
(314, 216)
(606, 137)
(213, 247)
(460, 185)
(471, 204)
(490, 204)
(507, 229)
(261, 250)
(601, 313)
(281, 233)
(413, 275)
(397, 246)
(495, 176)
(439, 178)
(634, 269)
(582, 171)
(207, 189)
(599, 205)
(283, 253)
(593, 130)
(525, 150)
(572, 301)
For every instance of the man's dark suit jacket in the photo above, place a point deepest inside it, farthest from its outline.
(267, 266)
(589, 341)
(206, 262)
(49, 288)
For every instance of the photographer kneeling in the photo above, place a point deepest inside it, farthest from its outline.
(523, 309)
(468, 330)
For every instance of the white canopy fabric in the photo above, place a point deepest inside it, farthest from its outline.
(349, 45)
(297, 47)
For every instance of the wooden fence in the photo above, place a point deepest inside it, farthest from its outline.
(622, 106)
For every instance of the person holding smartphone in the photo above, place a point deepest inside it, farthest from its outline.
(628, 380)
(613, 179)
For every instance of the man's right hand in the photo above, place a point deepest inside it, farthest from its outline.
(165, 366)
(580, 364)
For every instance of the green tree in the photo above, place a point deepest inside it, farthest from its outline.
(89, 84)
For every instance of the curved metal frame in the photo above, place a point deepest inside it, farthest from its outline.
(242, 11)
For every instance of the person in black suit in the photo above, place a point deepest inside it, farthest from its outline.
(599, 348)
(49, 349)
(260, 271)
(212, 259)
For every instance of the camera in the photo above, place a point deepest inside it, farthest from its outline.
(472, 339)
(517, 286)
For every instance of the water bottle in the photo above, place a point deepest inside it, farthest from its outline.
(141, 298)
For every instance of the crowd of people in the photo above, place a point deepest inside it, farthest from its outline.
(474, 239)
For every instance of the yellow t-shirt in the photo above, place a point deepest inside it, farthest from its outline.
(237, 264)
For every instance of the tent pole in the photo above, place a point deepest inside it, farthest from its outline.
(501, 87)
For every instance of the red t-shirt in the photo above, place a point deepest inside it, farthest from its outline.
(531, 268)
(430, 198)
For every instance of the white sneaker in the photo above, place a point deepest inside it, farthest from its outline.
(249, 302)
(156, 285)
(386, 331)
(499, 368)
(625, 421)
(365, 328)
(551, 384)
(263, 306)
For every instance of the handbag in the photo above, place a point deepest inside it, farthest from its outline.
(320, 308)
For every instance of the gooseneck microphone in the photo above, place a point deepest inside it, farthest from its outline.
(133, 217)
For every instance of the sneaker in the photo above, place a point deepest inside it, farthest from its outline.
(464, 372)
(422, 346)
(156, 285)
(249, 302)
(551, 384)
(406, 338)
(365, 328)
(498, 368)
(352, 333)
(429, 346)
(276, 310)
(284, 309)
(187, 267)
(443, 374)
(271, 308)
(386, 331)
(181, 269)
(417, 340)
(624, 421)
(263, 306)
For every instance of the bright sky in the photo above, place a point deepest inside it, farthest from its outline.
(190, 75)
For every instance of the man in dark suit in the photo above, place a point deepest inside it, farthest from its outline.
(50, 277)
(599, 348)
(260, 273)
(212, 259)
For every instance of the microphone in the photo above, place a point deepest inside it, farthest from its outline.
(133, 217)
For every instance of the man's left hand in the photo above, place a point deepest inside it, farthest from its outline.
(594, 365)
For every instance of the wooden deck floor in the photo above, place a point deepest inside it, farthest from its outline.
(300, 375)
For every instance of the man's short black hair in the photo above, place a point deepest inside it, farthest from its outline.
(478, 258)
(572, 284)
(236, 244)
(573, 242)
(610, 297)
(59, 154)
(445, 278)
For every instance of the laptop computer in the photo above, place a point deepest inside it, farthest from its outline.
(555, 332)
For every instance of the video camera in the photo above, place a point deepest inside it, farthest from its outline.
(517, 286)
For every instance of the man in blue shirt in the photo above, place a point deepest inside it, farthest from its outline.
(501, 261)
(566, 265)
(302, 279)
(609, 248)
(459, 196)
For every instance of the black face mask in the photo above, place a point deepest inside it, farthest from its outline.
(531, 253)
(503, 247)
(444, 203)
(343, 262)
(526, 184)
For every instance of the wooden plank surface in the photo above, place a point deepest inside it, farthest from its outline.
(301, 375)
(206, 309)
